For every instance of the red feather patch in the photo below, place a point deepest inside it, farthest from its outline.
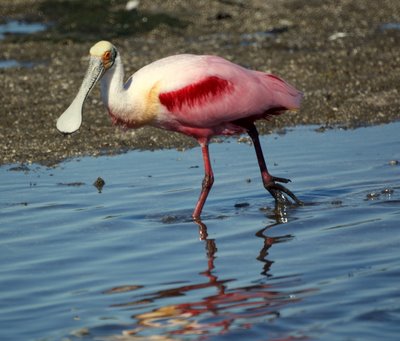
(195, 94)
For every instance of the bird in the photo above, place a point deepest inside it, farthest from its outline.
(200, 96)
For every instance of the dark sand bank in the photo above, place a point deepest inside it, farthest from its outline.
(344, 55)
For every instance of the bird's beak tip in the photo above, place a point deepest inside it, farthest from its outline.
(66, 133)
(67, 125)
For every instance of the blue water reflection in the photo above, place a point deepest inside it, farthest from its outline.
(128, 263)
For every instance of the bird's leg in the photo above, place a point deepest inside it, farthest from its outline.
(269, 181)
(207, 181)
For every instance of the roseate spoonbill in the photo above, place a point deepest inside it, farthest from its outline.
(200, 96)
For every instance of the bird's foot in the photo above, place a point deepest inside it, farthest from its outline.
(280, 192)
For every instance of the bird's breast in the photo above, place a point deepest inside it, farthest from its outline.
(135, 108)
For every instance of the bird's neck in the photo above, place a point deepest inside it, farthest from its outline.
(112, 88)
(125, 106)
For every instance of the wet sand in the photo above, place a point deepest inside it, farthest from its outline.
(344, 55)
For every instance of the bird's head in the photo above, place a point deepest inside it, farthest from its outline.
(105, 52)
(102, 58)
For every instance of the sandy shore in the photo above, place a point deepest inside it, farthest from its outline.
(344, 55)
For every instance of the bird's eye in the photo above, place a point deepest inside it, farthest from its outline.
(107, 55)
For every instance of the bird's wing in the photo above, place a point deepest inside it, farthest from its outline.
(209, 91)
(206, 91)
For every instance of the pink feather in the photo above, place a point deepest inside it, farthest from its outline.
(226, 93)
(200, 96)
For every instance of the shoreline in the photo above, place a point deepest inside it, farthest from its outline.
(347, 66)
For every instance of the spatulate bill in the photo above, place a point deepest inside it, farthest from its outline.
(71, 120)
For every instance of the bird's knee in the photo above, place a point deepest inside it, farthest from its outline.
(208, 181)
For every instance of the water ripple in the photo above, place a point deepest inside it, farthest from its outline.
(128, 263)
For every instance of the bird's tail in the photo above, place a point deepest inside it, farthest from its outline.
(284, 95)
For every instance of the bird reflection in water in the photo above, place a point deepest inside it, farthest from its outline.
(227, 309)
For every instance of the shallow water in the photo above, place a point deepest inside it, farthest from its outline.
(5, 64)
(20, 27)
(16, 27)
(128, 263)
